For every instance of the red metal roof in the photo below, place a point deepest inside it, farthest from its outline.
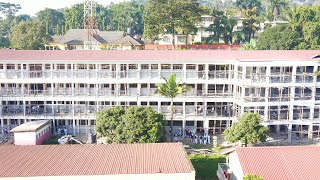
(162, 55)
(281, 163)
(82, 160)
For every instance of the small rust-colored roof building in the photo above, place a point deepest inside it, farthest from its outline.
(276, 163)
(113, 161)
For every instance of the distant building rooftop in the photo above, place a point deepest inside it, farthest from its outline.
(93, 160)
(160, 55)
(31, 126)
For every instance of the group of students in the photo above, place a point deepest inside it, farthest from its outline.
(202, 139)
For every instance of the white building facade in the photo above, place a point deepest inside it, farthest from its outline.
(70, 87)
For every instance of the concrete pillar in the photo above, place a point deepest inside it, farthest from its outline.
(138, 71)
(206, 126)
(206, 66)
(184, 119)
(278, 129)
(159, 71)
(184, 71)
(289, 132)
(73, 121)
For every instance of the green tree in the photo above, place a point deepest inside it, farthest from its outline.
(248, 4)
(276, 7)
(4, 42)
(6, 26)
(248, 130)
(127, 15)
(74, 17)
(280, 37)
(228, 33)
(219, 25)
(171, 89)
(252, 177)
(162, 16)
(9, 9)
(311, 34)
(249, 45)
(132, 125)
(52, 20)
(250, 23)
(29, 35)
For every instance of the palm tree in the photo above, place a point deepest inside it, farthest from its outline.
(171, 89)
(219, 25)
(276, 6)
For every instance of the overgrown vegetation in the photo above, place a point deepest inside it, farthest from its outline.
(206, 166)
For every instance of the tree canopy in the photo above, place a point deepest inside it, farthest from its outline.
(9, 9)
(127, 15)
(280, 37)
(302, 32)
(52, 20)
(29, 35)
(247, 129)
(168, 16)
(131, 125)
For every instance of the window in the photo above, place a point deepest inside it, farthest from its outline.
(166, 39)
(105, 66)
(35, 67)
(92, 66)
(144, 66)
(165, 66)
(133, 66)
(48, 66)
(10, 66)
(60, 66)
(144, 86)
(191, 66)
(82, 66)
(181, 39)
(177, 66)
(154, 66)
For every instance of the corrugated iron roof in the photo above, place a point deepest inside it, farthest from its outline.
(76, 36)
(285, 162)
(31, 126)
(159, 55)
(127, 41)
(82, 160)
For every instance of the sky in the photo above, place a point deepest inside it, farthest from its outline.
(31, 7)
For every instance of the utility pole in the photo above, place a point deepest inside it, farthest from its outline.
(90, 25)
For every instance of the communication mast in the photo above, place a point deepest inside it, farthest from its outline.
(90, 25)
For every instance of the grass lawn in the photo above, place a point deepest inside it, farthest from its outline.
(206, 166)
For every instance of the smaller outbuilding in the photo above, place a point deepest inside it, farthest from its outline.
(272, 163)
(32, 133)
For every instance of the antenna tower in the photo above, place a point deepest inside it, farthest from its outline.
(90, 25)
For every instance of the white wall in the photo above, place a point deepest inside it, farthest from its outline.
(24, 138)
(177, 176)
(235, 166)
